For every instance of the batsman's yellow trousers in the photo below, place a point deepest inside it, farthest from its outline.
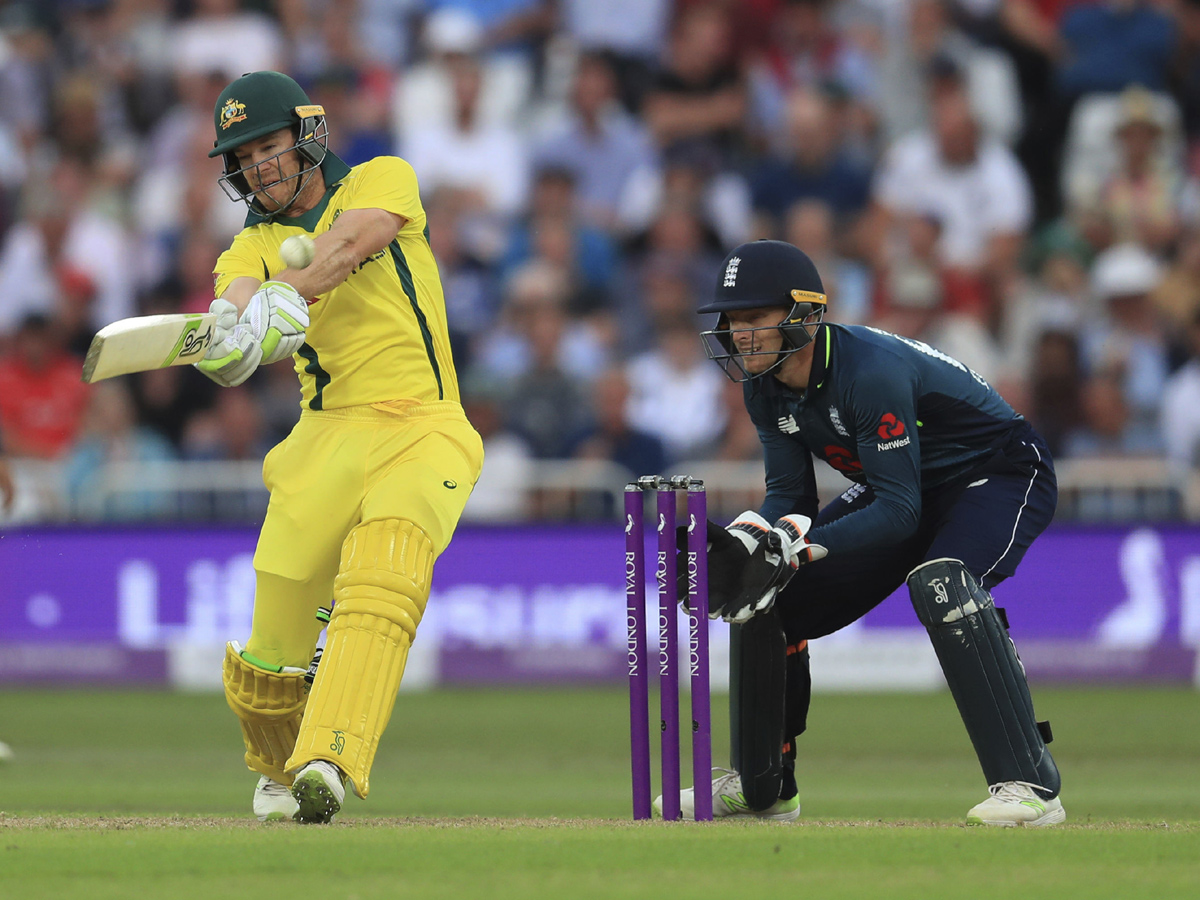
(338, 468)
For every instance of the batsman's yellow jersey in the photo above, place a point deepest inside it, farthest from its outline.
(381, 334)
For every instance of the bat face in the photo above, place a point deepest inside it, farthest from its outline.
(148, 342)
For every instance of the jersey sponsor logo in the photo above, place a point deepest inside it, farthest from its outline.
(894, 445)
(731, 271)
(842, 459)
(889, 427)
(787, 424)
(835, 419)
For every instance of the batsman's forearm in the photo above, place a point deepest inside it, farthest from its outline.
(357, 237)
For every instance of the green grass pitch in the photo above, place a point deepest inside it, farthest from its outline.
(503, 793)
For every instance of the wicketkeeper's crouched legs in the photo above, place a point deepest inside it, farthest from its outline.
(379, 597)
(769, 692)
(985, 675)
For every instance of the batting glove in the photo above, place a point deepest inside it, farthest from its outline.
(278, 316)
(782, 550)
(235, 351)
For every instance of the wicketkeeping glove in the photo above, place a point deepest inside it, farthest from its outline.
(772, 564)
(729, 549)
(235, 352)
(278, 316)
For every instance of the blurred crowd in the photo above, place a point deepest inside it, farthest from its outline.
(1014, 181)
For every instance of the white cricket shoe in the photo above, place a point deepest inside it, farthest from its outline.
(273, 801)
(1016, 803)
(728, 800)
(319, 791)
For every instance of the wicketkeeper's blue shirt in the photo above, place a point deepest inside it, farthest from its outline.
(886, 411)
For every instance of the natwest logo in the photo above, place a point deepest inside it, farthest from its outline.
(842, 459)
(889, 427)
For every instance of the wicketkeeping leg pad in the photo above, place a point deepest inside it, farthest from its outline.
(757, 707)
(984, 673)
(269, 706)
(379, 597)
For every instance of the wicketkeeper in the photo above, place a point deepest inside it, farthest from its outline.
(951, 487)
(367, 489)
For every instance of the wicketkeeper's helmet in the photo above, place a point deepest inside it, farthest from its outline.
(255, 105)
(765, 274)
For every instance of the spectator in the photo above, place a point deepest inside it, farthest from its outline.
(468, 282)
(809, 225)
(1138, 202)
(971, 184)
(698, 101)
(62, 229)
(1056, 388)
(424, 95)
(613, 436)
(42, 400)
(547, 406)
(502, 492)
(220, 36)
(1180, 413)
(1124, 342)
(803, 52)
(1177, 297)
(111, 435)
(676, 394)
(815, 167)
(629, 33)
(690, 180)
(554, 231)
(507, 352)
(487, 162)
(599, 143)
(232, 430)
(1108, 429)
(934, 55)
(359, 104)
(1102, 47)
(1112, 44)
(1056, 299)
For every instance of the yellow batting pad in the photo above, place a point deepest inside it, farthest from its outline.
(269, 706)
(379, 597)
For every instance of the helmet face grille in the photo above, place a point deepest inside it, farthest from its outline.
(798, 329)
(311, 146)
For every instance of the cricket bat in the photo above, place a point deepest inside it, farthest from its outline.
(148, 342)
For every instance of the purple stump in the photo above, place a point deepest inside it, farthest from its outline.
(698, 649)
(639, 677)
(668, 650)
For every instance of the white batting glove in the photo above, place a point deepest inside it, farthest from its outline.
(277, 316)
(235, 352)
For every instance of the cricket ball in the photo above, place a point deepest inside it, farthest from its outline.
(297, 252)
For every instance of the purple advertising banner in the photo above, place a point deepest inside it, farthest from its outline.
(545, 604)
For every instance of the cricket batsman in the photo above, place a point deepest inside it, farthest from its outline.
(950, 487)
(368, 487)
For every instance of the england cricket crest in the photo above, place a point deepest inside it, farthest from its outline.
(835, 419)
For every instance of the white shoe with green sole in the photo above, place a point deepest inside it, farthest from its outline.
(319, 791)
(1016, 803)
(728, 800)
(273, 802)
